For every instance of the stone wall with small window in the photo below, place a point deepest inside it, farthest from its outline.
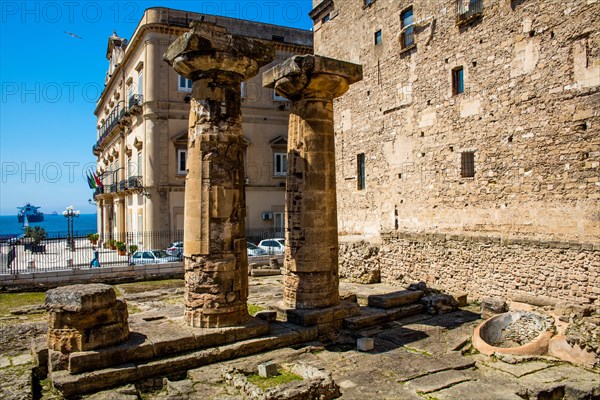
(515, 87)
(485, 123)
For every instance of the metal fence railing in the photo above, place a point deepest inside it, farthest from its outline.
(59, 252)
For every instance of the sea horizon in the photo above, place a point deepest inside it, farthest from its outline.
(54, 224)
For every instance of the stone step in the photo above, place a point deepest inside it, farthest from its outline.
(394, 299)
(153, 337)
(282, 334)
(370, 316)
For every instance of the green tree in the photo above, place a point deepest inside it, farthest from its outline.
(37, 233)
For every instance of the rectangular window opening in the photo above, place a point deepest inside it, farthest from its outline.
(140, 171)
(280, 164)
(185, 85)
(467, 164)
(408, 30)
(326, 19)
(458, 82)
(140, 84)
(181, 162)
(360, 172)
(378, 37)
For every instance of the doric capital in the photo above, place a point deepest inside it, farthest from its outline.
(312, 76)
(207, 50)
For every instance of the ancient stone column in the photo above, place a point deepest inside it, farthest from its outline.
(216, 262)
(311, 258)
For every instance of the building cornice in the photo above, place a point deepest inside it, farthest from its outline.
(153, 20)
(319, 9)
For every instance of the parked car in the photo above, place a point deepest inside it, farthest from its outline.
(151, 257)
(254, 250)
(175, 249)
(273, 246)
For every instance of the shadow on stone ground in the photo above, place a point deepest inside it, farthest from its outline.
(420, 357)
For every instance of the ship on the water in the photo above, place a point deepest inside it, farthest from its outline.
(31, 212)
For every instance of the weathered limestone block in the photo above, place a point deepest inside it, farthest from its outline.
(491, 306)
(311, 259)
(85, 317)
(439, 303)
(215, 258)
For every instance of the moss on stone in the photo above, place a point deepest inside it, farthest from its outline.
(280, 379)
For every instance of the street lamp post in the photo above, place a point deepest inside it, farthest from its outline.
(70, 215)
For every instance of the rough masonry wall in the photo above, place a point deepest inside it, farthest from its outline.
(479, 265)
(529, 112)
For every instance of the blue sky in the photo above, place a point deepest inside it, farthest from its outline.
(50, 82)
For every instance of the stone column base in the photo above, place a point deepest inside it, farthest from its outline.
(85, 317)
(328, 320)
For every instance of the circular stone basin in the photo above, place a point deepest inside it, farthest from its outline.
(515, 332)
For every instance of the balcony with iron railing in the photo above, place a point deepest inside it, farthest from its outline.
(117, 114)
(468, 10)
(134, 182)
(135, 101)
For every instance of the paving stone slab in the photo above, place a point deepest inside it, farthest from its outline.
(4, 362)
(477, 390)
(128, 392)
(566, 374)
(518, 370)
(16, 383)
(441, 380)
(421, 365)
(22, 359)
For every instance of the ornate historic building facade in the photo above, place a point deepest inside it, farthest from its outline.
(468, 157)
(142, 127)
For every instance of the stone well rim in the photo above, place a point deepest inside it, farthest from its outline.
(537, 346)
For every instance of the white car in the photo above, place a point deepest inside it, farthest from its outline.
(175, 249)
(152, 257)
(273, 246)
(254, 250)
